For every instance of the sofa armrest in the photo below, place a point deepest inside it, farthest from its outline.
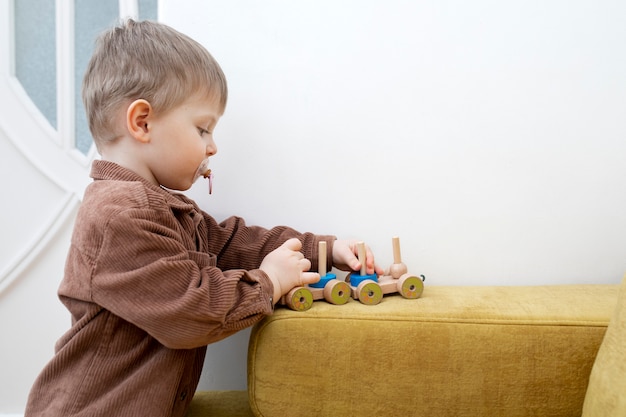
(606, 393)
(456, 351)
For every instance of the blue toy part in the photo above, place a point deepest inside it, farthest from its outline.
(323, 281)
(356, 278)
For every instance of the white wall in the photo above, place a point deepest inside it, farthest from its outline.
(490, 136)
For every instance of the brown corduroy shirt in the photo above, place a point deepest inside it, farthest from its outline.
(150, 280)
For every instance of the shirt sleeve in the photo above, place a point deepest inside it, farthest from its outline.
(240, 246)
(146, 275)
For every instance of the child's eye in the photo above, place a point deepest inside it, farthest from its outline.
(202, 131)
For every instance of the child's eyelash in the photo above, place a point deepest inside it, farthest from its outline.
(202, 131)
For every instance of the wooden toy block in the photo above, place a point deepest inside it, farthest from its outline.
(370, 288)
(328, 288)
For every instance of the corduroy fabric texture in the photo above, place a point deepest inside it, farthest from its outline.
(606, 394)
(456, 351)
(150, 280)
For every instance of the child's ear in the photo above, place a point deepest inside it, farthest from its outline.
(137, 115)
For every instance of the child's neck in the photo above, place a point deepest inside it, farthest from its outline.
(125, 153)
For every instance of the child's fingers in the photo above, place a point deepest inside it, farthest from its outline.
(293, 244)
(371, 263)
(305, 264)
(309, 277)
(349, 255)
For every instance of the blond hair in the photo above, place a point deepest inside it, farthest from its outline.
(150, 61)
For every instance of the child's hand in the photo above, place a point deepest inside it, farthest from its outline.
(345, 257)
(286, 267)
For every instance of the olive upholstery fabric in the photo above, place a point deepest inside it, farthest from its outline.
(456, 351)
(220, 404)
(606, 394)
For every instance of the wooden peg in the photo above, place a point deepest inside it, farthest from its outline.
(397, 258)
(398, 268)
(362, 257)
(321, 258)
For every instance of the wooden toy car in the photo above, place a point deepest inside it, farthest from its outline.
(328, 288)
(367, 288)
(370, 288)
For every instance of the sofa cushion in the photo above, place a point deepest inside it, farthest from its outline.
(456, 351)
(220, 404)
(606, 394)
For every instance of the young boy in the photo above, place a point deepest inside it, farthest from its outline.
(150, 279)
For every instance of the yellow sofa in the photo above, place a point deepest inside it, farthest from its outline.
(456, 351)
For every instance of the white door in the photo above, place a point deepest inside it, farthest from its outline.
(46, 153)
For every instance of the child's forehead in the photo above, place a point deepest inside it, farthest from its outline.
(202, 103)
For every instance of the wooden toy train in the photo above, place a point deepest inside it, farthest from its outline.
(367, 288)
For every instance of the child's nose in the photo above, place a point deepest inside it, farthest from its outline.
(211, 148)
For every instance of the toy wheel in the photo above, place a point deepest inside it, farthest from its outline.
(410, 286)
(299, 299)
(369, 292)
(337, 292)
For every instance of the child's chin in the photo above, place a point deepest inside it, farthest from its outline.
(179, 187)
